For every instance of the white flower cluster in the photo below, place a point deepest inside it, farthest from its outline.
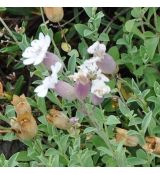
(35, 54)
(90, 70)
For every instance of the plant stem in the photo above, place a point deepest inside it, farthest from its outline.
(9, 31)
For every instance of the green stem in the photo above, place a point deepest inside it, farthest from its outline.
(9, 31)
(53, 42)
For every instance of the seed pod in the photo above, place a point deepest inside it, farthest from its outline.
(128, 140)
(24, 125)
(54, 14)
(152, 145)
(21, 105)
(58, 119)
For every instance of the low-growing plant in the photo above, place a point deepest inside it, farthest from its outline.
(83, 92)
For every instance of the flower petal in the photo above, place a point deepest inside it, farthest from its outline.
(65, 90)
(107, 64)
(82, 90)
(41, 91)
(96, 100)
(50, 59)
(28, 61)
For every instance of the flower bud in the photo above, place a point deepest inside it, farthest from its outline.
(58, 119)
(128, 140)
(107, 64)
(152, 145)
(51, 59)
(24, 125)
(96, 100)
(65, 90)
(54, 14)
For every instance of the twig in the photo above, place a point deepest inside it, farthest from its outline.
(9, 31)
(114, 18)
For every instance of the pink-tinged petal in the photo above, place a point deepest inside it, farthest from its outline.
(50, 59)
(96, 100)
(65, 90)
(82, 90)
(107, 64)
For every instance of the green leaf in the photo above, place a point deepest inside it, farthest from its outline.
(41, 105)
(146, 121)
(10, 111)
(80, 28)
(114, 52)
(136, 161)
(103, 37)
(72, 64)
(89, 130)
(88, 11)
(131, 27)
(124, 109)
(151, 46)
(54, 99)
(112, 120)
(104, 150)
(157, 88)
(150, 76)
(18, 86)
(136, 12)
(10, 49)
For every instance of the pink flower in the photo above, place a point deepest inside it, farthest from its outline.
(51, 59)
(96, 100)
(107, 64)
(65, 90)
(82, 90)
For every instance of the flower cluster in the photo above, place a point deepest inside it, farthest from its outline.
(90, 77)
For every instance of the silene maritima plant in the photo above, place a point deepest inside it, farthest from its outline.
(80, 87)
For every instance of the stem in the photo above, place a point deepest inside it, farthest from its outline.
(9, 31)
(53, 42)
(155, 17)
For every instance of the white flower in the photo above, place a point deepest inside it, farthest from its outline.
(49, 82)
(37, 51)
(97, 49)
(90, 68)
(99, 88)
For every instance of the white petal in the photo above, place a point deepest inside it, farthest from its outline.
(92, 48)
(41, 36)
(102, 77)
(39, 59)
(47, 40)
(28, 52)
(41, 90)
(28, 61)
(34, 43)
(56, 68)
